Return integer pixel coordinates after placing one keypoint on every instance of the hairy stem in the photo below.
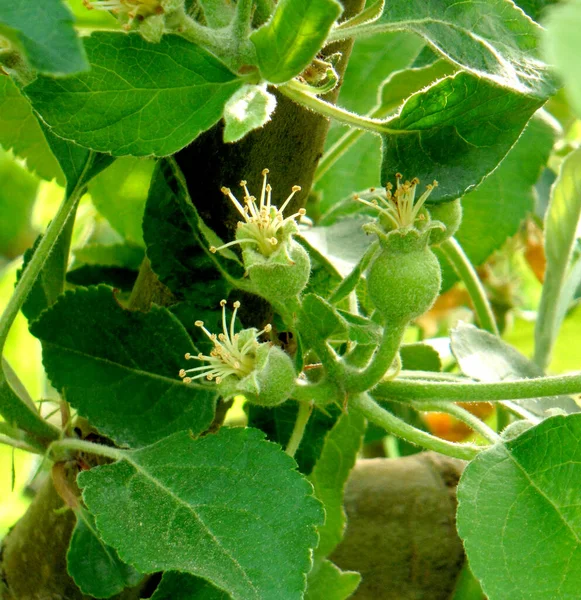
(16, 409)
(463, 267)
(364, 379)
(39, 257)
(407, 389)
(68, 445)
(10, 441)
(378, 415)
(305, 410)
(295, 92)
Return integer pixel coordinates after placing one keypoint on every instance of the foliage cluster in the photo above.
(308, 320)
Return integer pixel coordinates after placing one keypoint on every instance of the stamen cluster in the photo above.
(400, 207)
(264, 224)
(233, 353)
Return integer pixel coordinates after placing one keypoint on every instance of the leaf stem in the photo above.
(294, 91)
(463, 267)
(15, 409)
(364, 379)
(378, 415)
(407, 389)
(367, 29)
(463, 415)
(71, 444)
(241, 24)
(9, 441)
(40, 256)
(303, 415)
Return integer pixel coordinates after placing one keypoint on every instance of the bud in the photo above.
(450, 215)
(403, 280)
(152, 28)
(240, 364)
(276, 264)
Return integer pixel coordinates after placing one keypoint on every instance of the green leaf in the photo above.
(322, 318)
(419, 357)
(561, 45)
(45, 32)
(227, 507)
(119, 108)
(360, 329)
(249, 108)
(535, 8)
(278, 423)
(491, 39)
(48, 285)
(21, 133)
(330, 583)
(119, 368)
(293, 36)
(218, 13)
(467, 586)
(330, 474)
(76, 162)
(519, 503)
(456, 132)
(95, 567)
(177, 240)
(18, 190)
(485, 357)
(342, 244)
(115, 255)
(495, 210)
(182, 586)
(16, 407)
(117, 277)
(366, 16)
(563, 273)
(372, 61)
(119, 193)
(402, 84)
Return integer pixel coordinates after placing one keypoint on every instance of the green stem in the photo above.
(294, 316)
(68, 445)
(294, 91)
(14, 408)
(368, 29)
(378, 415)
(403, 389)
(305, 410)
(9, 441)
(24, 439)
(38, 259)
(17, 385)
(241, 24)
(463, 267)
(462, 415)
(364, 379)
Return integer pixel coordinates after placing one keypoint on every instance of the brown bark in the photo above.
(401, 532)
